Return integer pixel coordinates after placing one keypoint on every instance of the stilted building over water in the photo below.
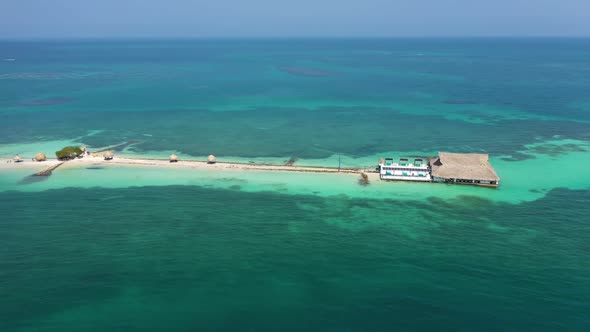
(459, 168)
(464, 168)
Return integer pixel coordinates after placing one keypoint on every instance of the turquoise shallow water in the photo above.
(124, 249)
(303, 98)
(186, 258)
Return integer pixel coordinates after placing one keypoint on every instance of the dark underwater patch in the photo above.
(518, 156)
(460, 102)
(305, 71)
(46, 102)
(555, 150)
(30, 179)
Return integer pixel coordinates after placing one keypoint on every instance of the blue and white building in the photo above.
(404, 170)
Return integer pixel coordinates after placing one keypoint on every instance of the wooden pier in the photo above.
(49, 170)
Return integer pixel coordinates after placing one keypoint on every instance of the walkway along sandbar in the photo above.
(45, 167)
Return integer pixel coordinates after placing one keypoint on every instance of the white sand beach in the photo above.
(89, 160)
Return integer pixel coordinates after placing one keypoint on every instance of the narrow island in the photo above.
(447, 168)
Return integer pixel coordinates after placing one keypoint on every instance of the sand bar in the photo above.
(88, 161)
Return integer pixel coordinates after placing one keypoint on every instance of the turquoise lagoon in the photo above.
(148, 248)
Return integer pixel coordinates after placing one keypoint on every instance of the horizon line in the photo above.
(253, 37)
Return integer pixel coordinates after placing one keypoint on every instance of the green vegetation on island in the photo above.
(69, 152)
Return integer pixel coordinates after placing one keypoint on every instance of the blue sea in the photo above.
(122, 248)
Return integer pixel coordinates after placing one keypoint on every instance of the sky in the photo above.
(293, 18)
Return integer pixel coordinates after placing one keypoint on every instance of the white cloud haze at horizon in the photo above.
(304, 18)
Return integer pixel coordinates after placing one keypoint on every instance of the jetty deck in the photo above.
(240, 166)
(48, 171)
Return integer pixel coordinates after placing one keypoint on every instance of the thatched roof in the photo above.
(364, 180)
(211, 159)
(109, 155)
(40, 157)
(173, 157)
(472, 166)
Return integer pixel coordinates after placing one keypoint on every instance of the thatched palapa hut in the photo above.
(17, 158)
(40, 157)
(464, 168)
(108, 155)
(364, 180)
(211, 159)
(173, 158)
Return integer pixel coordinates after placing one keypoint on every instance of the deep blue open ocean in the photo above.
(103, 249)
